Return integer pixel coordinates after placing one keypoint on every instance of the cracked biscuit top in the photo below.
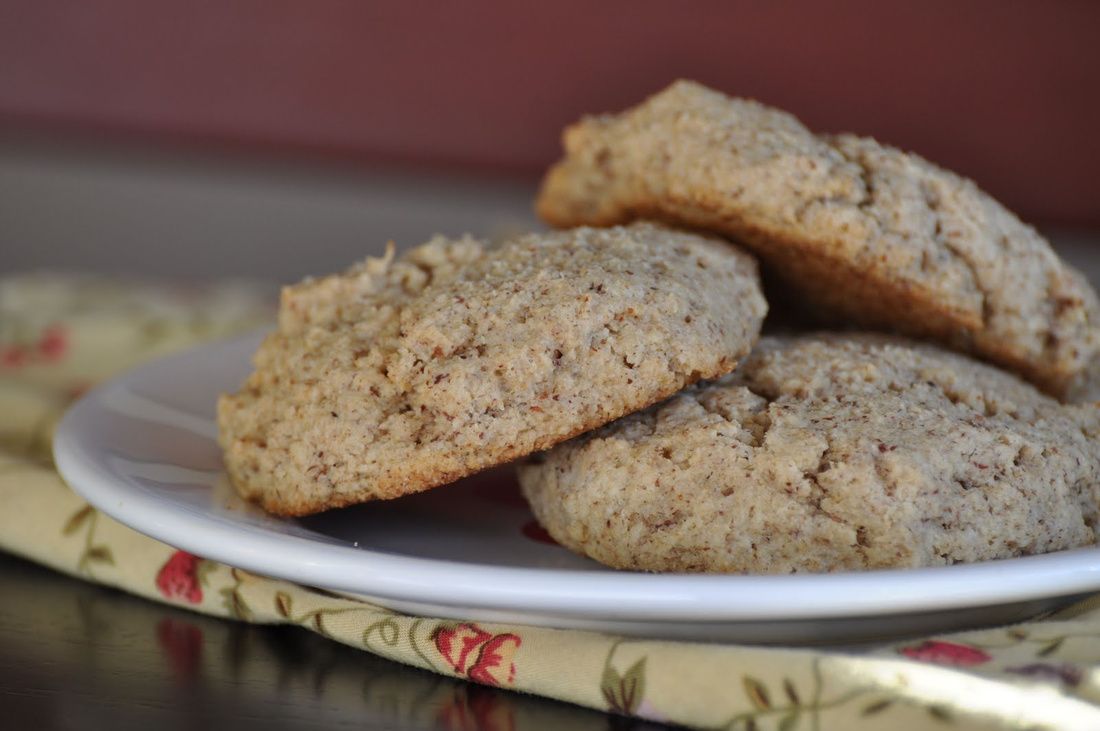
(858, 231)
(403, 374)
(824, 453)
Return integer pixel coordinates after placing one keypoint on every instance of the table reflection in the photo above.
(74, 655)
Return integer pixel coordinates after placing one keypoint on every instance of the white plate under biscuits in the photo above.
(142, 449)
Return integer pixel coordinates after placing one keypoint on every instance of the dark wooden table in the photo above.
(74, 655)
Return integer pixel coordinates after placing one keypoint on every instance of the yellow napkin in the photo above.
(60, 334)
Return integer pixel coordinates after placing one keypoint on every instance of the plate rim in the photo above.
(577, 593)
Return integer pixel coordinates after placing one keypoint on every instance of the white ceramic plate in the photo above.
(142, 449)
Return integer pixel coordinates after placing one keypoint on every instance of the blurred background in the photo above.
(273, 138)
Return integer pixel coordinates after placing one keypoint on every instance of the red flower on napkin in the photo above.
(946, 653)
(494, 664)
(178, 578)
(14, 356)
(477, 654)
(50, 347)
(53, 343)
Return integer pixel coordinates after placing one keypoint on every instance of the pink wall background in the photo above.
(1006, 92)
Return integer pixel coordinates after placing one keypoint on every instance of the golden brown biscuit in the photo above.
(822, 453)
(859, 231)
(403, 374)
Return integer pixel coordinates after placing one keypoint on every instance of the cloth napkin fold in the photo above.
(59, 334)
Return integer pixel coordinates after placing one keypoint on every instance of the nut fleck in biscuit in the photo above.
(828, 452)
(860, 231)
(403, 374)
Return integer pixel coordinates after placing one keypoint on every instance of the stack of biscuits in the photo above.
(945, 417)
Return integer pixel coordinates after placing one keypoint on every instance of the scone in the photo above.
(859, 231)
(403, 374)
(828, 452)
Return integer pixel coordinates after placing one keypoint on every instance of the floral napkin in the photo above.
(59, 334)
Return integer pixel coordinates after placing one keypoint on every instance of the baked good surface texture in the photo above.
(406, 373)
(861, 232)
(828, 452)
